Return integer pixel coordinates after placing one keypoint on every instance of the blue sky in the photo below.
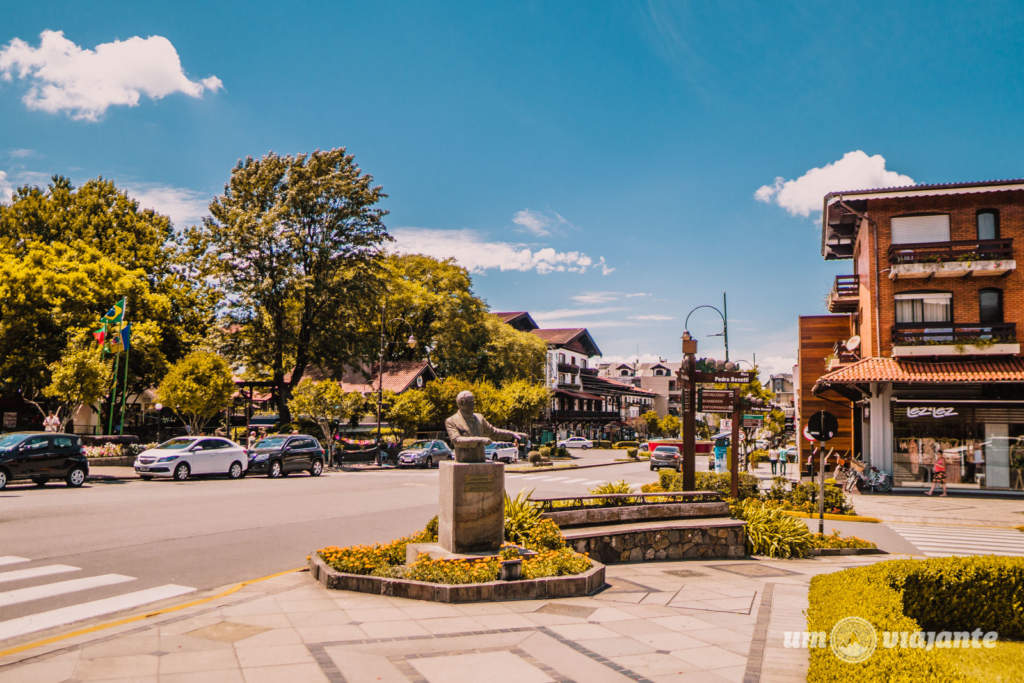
(609, 165)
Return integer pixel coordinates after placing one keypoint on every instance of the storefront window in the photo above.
(983, 446)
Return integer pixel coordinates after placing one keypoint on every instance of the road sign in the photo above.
(752, 420)
(822, 426)
(725, 425)
(725, 377)
(714, 400)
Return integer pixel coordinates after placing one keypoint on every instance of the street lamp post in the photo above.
(723, 313)
(411, 342)
(159, 420)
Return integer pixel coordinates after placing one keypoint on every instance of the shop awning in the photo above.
(577, 394)
(902, 371)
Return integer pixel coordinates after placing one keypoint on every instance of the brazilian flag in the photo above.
(115, 315)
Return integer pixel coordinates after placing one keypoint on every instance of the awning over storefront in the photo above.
(577, 394)
(925, 372)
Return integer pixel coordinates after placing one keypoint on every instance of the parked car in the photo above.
(502, 451)
(424, 454)
(576, 442)
(278, 455)
(667, 456)
(185, 456)
(42, 456)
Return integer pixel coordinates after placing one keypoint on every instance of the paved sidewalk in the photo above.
(680, 621)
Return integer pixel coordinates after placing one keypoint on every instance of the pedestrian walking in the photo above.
(938, 474)
(783, 456)
(773, 458)
(51, 423)
(251, 440)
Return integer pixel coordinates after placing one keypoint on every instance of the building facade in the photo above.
(922, 349)
(659, 377)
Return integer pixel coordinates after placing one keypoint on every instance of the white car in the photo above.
(502, 451)
(576, 442)
(184, 456)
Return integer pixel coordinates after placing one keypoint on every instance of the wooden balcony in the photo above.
(845, 294)
(567, 415)
(568, 367)
(963, 258)
(960, 339)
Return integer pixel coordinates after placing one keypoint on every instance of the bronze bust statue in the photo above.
(469, 431)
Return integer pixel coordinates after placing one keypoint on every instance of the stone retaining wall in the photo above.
(587, 583)
(636, 513)
(719, 540)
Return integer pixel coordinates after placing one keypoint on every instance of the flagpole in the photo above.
(113, 398)
(127, 350)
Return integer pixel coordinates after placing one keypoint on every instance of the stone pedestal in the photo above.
(472, 502)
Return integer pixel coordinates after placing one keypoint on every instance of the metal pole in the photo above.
(380, 383)
(734, 451)
(113, 397)
(127, 351)
(725, 325)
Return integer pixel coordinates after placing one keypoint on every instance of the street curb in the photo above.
(577, 467)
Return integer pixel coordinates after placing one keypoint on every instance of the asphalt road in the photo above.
(206, 533)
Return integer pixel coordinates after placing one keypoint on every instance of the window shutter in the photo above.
(914, 229)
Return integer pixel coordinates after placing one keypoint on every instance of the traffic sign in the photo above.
(822, 426)
(752, 420)
(714, 400)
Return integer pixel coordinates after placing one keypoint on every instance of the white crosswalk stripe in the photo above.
(945, 541)
(91, 605)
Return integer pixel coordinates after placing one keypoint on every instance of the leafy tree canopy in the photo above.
(197, 387)
(79, 377)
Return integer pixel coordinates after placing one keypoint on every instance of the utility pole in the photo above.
(734, 451)
(725, 325)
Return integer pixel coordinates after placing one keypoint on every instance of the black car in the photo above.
(42, 456)
(424, 454)
(279, 455)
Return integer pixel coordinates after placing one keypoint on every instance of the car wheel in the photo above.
(182, 472)
(145, 477)
(430, 463)
(3, 478)
(274, 469)
(76, 477)
(317, 469)
(40, 481)
(235, 471)
(652, 468)
(679, 468)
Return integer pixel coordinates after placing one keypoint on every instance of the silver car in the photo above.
(424, 454)
(667, 456)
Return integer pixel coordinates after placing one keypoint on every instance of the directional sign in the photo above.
(754, 421)
(725, 377)
(714, 400)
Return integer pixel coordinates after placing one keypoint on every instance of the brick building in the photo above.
(921, 356)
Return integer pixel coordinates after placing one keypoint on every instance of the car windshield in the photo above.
(492, 446)
(420, 445)
(8, 441)
(176, 444)
(666, 449)
(270, 442)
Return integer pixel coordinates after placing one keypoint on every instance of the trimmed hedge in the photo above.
(942, 594)
(670, 480)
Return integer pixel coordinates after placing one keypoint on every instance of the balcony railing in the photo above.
(558, 415)
(962, 250)
(568, 367)
(977, 334)
(845, 294)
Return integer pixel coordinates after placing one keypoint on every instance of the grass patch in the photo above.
(834, 518)
(1003, 663)
(531, 468)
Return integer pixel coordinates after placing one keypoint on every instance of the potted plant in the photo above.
(511, 563)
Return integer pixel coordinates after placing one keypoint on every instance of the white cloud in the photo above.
(534, 222)
(64, 77)
(6, 188)
(476, 254)
(652, 317)
(21, 153)
(605, 297)
(855, 171)
(183, 206)
(564, 313)
(635, 358)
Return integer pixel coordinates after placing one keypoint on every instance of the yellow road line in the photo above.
(139, 617)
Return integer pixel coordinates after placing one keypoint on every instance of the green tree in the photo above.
(525, 400)
(197, 388)
(669, 426)
(510, 354)
(80, 377)
(295, 242)
(409, 411)
(319, 402)
(66, 254)
(651, 422)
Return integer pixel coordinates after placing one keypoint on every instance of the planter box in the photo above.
(910, 350)
(636, 513)
(944, 269)
(648, 542)
(587, 583)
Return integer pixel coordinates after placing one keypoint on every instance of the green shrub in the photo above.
(834, 540)
(779, 491)
(560, 562)
(620, 486)
(804, 497)
(521, 515)
(602, 443)
(759, 455)
(772, 532)
(544, 535)
(625, 444)
(534, 457)
(545, 452)
(941, 594)
(452, 572)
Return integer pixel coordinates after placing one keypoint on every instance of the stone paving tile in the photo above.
(286, 673)
(568, 662)
(635, 627)
(454, 624)
(59, 668)
(709, 657)
(500, 621)
(176, 643)
(224, 676)
(276, 636)
(669, 640)
(377, 614)
(354, 665)
(279, 620)
(304, 605)
(617, 646)
(653, 664)
(273, 654)
(136, 644)
(624, 597)
(431, 610)
(329, 634)
(300, 619)
(128, 666)
(606, 614)
(581, 631)
(392, 629)
(189, 662)
(681, 622)
(266, 605)
(543, 619)
(494, 667)
(473, 609)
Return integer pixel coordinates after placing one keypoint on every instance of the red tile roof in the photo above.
(398, 377)
(877, 369)
(505, 316)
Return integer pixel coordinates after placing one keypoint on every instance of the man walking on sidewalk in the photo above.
(773, 458)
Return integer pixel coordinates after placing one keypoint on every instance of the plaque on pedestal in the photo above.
(472, 506)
